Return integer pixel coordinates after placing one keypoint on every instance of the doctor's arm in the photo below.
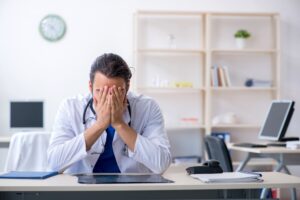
(102, 109)
(66, 147)
(152, 146)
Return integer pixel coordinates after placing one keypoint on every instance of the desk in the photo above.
(282, 155)
(66, 187)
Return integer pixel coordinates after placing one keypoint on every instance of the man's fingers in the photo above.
(111, 107)
(103, 96)
(122, 93)
(125, 103)
(117, 94)
(95, 101)
(108, 103)
(96, 97)
(115, 103)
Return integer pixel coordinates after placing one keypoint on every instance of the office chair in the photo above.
(217, 149)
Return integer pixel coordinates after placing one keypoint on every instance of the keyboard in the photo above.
(250, 145)
(277, 144)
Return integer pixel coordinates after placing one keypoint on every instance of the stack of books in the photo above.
(220, 76)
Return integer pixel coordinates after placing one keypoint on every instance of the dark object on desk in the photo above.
(287, 139)
(121, 178)
(208, 167)
(276, 144)
(250, 145)
(27, 175)
(217, 149)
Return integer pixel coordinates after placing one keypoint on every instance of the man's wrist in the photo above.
(118, 126)
(99, 126)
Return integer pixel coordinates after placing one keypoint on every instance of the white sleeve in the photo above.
(66, 147)
(152, 146)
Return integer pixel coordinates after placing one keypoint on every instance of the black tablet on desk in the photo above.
(121, 178)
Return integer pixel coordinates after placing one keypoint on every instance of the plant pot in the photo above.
(240, 43)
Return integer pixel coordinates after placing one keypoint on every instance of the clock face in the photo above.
(52, 27)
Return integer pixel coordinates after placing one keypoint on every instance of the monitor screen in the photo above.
(26, 114)
(277, 120)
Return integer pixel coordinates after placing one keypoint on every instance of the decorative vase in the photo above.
(240, 43)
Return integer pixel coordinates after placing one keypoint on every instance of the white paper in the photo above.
(228, 177)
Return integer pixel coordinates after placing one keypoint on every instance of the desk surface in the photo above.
(66, 182)
(270, 150)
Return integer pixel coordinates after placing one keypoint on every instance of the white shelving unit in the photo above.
(183, 46)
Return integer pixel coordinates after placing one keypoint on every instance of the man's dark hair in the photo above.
(112, 66)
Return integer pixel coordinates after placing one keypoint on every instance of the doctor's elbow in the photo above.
(53, 163)
(163, 163)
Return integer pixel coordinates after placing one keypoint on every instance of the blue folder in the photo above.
(27, 175)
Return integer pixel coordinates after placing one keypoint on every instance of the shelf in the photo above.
(257, 162)
(174, 127)
(171, 90)
(167, 13)
(236, 126)
(204, 40)
(245, 14)
(198, 51)
(171, 51)
(245, 89)
(243, 51)
(182, 13)
(199, 126)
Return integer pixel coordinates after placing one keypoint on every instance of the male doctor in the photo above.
(110, 130)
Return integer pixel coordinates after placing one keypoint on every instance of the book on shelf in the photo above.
(220, 76)
(214, 76)
(227, 77)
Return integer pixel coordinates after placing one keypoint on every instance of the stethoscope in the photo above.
(90, 105)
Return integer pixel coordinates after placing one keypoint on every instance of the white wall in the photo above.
(32, 68)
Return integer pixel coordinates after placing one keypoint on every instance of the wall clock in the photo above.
(52, 28)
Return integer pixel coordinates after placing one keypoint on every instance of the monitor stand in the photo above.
(287, 139)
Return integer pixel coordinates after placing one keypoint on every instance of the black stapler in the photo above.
(208, 167)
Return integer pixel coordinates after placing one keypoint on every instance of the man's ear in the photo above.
(91, 87)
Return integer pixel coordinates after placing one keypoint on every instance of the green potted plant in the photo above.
(240, 38)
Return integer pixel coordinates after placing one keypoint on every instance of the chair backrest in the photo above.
(28, 152)
(217, 149)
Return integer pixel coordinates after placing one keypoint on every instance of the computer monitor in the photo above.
(277, 120)
(26, 114)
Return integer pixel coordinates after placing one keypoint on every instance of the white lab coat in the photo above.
(67, 148)
(28, 152)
